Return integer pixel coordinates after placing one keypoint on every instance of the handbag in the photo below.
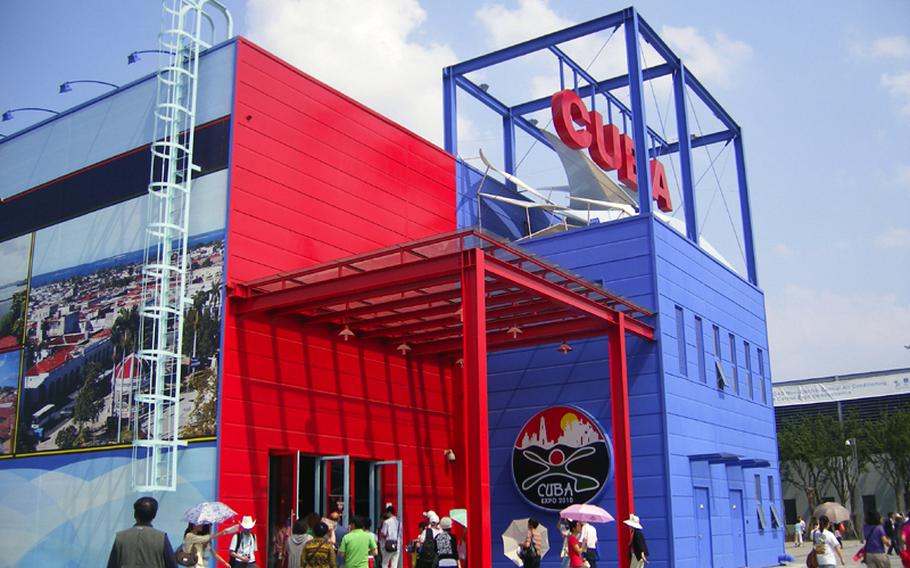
(812, 559)
(391, 544)
(185, 557)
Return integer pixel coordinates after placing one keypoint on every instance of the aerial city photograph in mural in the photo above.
(13, 284)
(81, 370)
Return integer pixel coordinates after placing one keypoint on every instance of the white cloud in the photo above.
(898, 84)
(531, 18)
(897, 47)
(713, 62)
(783, 250)
(815, 332)
(367, 50)
(898, 238)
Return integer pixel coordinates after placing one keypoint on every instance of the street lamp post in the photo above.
(851, 443)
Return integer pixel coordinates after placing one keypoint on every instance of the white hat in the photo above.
(247, 522)
(445, 523)
(432, 517)
(633, 522)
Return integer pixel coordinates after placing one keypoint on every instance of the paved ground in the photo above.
(850, 548)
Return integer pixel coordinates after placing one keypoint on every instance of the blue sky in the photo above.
(823, 97)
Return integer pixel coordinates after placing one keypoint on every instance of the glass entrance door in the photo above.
(386, 488)
(333, 485)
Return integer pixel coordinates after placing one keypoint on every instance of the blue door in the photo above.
(738, 528)
(703, 527)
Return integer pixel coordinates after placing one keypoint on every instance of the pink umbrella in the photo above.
(586, 513)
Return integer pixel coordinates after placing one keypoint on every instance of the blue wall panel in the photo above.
(704, 419)
(616, 254)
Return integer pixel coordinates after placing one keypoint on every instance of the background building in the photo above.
(865, 397)
(285, 413)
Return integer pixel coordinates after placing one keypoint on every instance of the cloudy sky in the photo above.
(822, 91)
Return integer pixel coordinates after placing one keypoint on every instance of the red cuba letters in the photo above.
(607, 147)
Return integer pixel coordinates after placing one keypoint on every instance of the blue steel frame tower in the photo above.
(704, 455)
(648, 143)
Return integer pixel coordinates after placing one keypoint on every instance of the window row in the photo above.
(724, 352)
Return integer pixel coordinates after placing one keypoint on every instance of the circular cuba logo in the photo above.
(561, 457)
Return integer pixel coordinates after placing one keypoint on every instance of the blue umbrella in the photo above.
(209, 512)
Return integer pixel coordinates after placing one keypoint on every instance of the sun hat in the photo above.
(445, 523)
(247, 522)
(432, 517)
(633, 522)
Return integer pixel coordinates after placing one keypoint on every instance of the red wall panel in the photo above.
(316, 176)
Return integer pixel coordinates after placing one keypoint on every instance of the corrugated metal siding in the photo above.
(316, 176)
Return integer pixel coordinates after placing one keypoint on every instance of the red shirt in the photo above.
(575, 558)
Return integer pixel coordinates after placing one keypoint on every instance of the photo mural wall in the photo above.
(69, 369)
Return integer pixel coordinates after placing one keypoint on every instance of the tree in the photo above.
(124, 330)
(90, 396)
(844, 465)
(12, 321)
(804, 445)
(66, 437)
(888, 439)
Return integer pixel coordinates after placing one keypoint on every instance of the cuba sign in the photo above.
(561, 457)
(607, 147)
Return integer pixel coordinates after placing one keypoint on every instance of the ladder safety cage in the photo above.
(156, 400)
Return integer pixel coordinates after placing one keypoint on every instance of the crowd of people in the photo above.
(882, 537)
(319, 542)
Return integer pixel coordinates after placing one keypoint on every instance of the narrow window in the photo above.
(681, 341)
(775, 515)
(718, 365)
(700, 347)
(733, 363)
(758, 504)
(748, 355)
(761, 376)
(758, 488)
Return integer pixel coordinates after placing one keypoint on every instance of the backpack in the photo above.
(427, 552)
(185, 557)
(820, 543)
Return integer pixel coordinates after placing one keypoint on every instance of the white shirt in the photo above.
(831, 543)
(246, 547)
(589, 536)
(391, 530)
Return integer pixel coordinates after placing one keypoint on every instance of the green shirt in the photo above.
(357, 546)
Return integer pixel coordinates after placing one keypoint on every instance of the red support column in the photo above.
(622, 446)
(475, 413)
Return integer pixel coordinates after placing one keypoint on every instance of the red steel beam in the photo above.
(476, 410)
(414, 330)
(576, 328)
(622, 442)
(375, 283)
(557, 293)
(361, 311)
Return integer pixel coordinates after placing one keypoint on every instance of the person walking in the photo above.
(296, 542)
(243, 546)
(358, 545)
(589, 542)
(447, 545)
(827, 549)
(889, 528)
(318, 552)
(876, 541)
(575, 548)
(197, 539)
(638, 548)
(799, 528)
(142, 544)
(532, 545)
(390, 538)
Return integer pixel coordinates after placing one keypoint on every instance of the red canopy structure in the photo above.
(461, 295)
